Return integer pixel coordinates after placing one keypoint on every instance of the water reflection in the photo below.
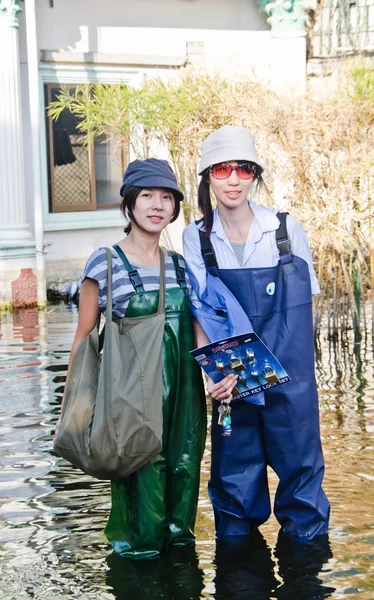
(299, 566)
(244, 569)
(248, 569)
(52, 516)
(175, 575)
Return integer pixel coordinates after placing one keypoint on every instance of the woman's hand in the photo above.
(221, 391)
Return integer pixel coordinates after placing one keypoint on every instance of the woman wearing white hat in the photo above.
(264, 260)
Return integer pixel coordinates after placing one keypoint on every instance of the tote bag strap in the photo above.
(161, 295)
(109, 301)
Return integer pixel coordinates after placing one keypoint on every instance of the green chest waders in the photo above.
(156, 506)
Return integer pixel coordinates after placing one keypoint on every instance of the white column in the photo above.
(288, 62)
(35, 100)
(14, 230)
(288, 19)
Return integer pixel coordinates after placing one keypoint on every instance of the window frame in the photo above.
(64, 74)
(93, 204)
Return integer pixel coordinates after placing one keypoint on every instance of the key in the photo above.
(226, 422)
(221, 413)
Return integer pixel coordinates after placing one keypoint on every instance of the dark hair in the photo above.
(205, 202)
(128, 202)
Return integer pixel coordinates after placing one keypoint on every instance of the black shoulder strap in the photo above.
(281, 236)
(179, 270)
(282, 240)
(207, 250)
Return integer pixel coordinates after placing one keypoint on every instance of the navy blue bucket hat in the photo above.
(150, 173)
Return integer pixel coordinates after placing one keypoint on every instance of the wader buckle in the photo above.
(135, 280)
(284, 246)
(209, 258)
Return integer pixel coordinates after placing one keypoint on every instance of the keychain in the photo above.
(224, 419)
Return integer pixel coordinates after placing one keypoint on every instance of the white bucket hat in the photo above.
(230, 142)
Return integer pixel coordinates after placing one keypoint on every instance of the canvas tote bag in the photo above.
(111, 421)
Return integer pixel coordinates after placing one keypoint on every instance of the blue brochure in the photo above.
(247, 356)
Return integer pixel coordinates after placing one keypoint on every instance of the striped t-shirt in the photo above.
(97, 269)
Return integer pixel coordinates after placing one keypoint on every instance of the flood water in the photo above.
(52, 516)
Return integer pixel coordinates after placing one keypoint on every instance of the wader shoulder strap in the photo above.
(133, 273)
(207, 252)
(179, 270)
(281, 235)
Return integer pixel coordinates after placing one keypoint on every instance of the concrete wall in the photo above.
(142, 26)
(85, 26)
(67, 251)
(63, 244)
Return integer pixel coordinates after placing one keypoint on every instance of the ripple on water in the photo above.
(52, 516)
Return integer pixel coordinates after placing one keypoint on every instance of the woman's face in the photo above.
(153, 209)
(232, 191)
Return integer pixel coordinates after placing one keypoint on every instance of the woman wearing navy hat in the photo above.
(264, 261)
(155, 506)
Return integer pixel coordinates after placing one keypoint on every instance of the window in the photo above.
(80, 177)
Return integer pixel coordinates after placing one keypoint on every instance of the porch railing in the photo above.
(343, 27)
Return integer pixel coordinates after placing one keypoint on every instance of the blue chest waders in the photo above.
(285, 432)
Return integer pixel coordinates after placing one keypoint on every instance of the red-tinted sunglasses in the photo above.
(244, 170)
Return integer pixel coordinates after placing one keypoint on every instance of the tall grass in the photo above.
(319, 157)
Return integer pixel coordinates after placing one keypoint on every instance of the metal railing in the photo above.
(343, 27)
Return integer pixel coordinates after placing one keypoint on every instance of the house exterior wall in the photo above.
(114, 41)
(84, 25)
(144, 28)
(127, 40)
